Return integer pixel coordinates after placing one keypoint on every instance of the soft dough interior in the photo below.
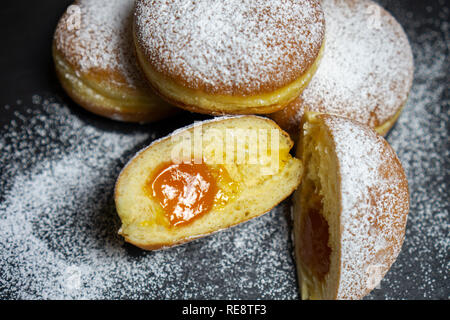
(251, 188)
(316, 214)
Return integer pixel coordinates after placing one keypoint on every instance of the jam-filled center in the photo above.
(315, 252)
(185, 191)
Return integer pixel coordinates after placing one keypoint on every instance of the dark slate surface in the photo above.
(58, 165)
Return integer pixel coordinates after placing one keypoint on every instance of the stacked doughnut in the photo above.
(334, 74)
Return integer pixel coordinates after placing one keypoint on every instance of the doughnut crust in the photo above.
(95, 62)
(366, 71)
(234, 56)
(355, 182)
(250, 188)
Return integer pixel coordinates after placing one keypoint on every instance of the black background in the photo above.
(26, 69)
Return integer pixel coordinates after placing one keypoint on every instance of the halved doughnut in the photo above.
(366, 71)
(350, 211)
(204, 178)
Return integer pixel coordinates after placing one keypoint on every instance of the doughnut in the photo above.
(351, 210)
(366, 71)
(95, 62)
(204, 178)
(229, 57)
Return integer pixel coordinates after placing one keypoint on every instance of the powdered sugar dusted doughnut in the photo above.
(210, 188)
(235, 56)
(366, 71)
(351, 210)
(95, 61)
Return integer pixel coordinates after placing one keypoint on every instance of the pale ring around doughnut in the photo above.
(230, 57)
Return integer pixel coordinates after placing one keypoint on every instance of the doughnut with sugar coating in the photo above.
(229, 57)
(366, 71)
(95, 61)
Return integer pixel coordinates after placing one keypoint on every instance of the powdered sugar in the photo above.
(231, 47)
(420, 139)
(96, 35)
(367, 66)
(374, 205)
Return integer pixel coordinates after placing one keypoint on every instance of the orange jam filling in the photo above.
(185, 191)
(314, 251)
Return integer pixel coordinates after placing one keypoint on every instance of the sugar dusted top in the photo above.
(233, 47)
(96, 36)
